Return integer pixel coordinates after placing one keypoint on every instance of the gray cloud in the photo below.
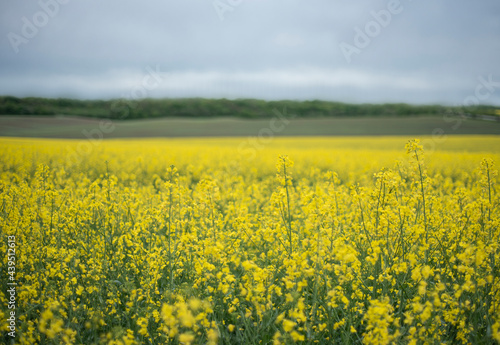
(428, 52)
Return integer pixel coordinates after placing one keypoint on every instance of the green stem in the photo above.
(288, 207)
(423, 205)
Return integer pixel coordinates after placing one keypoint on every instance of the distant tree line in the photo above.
(200, 107)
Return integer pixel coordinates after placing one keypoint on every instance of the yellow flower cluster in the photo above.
(185, 320)
(313, 240)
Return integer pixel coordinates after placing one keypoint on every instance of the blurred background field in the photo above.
(73, 127)
(71, 118)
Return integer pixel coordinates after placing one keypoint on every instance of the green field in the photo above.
(75, 127)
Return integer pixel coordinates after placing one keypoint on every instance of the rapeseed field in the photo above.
(287, 241)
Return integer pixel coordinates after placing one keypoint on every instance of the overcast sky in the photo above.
(423, 51)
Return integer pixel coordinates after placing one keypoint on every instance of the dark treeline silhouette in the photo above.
(205, 108)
